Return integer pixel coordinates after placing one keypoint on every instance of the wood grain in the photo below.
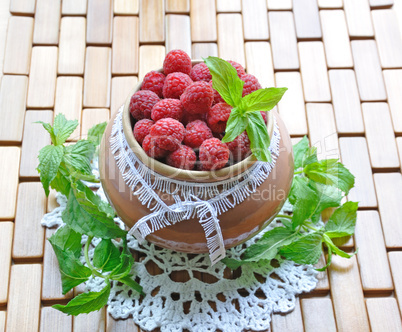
(255, 19)
(318, 315)
(358, 17)
(54, 320)
(121, 87)
(9, 179)
(74, 7)
(224, 6)
(399, 144)
(395, 261)
(178, 35)
(203, 21)
(6, 241)
(384, 314)
(393, 84)
(202, 50)
(307, 19)
(93, 322)
(152, 21)
(22, 7)
(151, 58)
(280, 4)
(3, 320)
(259, 62)
(177, 6)
(47, 21)
(124, 7)
(120, 325)
(99, 22)
(290, 322)
(91, 117)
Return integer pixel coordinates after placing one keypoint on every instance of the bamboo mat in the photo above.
(342, 63)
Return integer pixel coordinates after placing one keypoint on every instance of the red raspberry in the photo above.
(177, 61)
(153, 81)
(167, 108)
(239, 68)
(141, 129)
(168, 134)
(251, 84)
(141, 104)
(240, 147)
(187, 118)
(184, 157)
(218, 116)
(217, 96)
(175, 84)
(200, 72)
(197, 98)
(153, 150)
(196, 133)
(213, 154)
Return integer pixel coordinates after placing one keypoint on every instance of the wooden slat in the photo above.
(121, 87)
(322, 130)
(358, 17)
(4, 17)
(230, 38)
(255, 19)
(29, 233)
(69, 100)
(17, 56)
(47, 20)
(151, 58)
(336, 39)
(290, 322)
(6, 240)
(314, 72)
(97, 77)
(318, 315)
(123, 7)
(23, 307)
(22, 7)
(399, 144)
(368, 70)
(202, 50)
(350, 310)
(13, 94)
(355, 157)
(372, 256)
(389, 187)
(259, 62)
(93, 322)
(227, 6)
(74, 7)
(291, 107)
(384, 314)
(125, 45)
(35, 138)
(398, 12)
(51, 284)
(120, 325)
(178, 35)
(72, 46)
(380, 136)
(307, 19)
(346, 101)
(395, 261)
(152, 21)
(54, 320)
(279, 4)
(9, 179)
(330, 4)
(283, 40)
(91, 117)
(393, 84)
(177, 6)
(99, 22)
(2, 320)
(381, 3)
(322, 276)
(203, 20)
(42, 77)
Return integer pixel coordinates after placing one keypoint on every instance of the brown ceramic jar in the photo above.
(238, 224)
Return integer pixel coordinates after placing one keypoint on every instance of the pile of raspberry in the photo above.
(180, 119)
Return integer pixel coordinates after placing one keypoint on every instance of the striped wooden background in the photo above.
(342, 63)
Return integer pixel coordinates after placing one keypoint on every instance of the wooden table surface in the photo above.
(342, 63)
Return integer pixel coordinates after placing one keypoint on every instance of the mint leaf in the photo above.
(106, 256)
(343, 221)
(63, 128)
(50, 158)
(331, 172)
(78, 156)
(225, 80)
(329, 261)
(259, 139)
(262, 99)
(334, 248)
(235, 125)
(96, 132)
(49, 129)
(124, 268)
(129, 281)
(62, 182)
(303, 154)
(85, 302)
(67, 239)
(232, 263)
(329, 196)
(305, 250)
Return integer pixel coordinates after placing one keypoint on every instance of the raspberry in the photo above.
(153, 81)
(217, 96)
(213, 154)
(152, 149)
(200, 72)
(141, 129)
(184, 157)
(168, 134)
(240, 147)
(175, 84)
(196, 133)
(197, 98)
(239, 68)
(177, 61)
(141, 104)
(167, 108)
(251, 84)
(187, 118)
(218, 116)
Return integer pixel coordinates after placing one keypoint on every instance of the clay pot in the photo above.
(238, 224)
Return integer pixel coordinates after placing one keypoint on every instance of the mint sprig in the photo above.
(245, 114)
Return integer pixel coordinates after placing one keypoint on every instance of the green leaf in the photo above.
(329, 261)
(305, 250)
(329, 196)
(96, 132)
(67, 239)
(129, 281)
(63, 128)
(49, 129)
(331, 172)
(50, 158)
(225, 80)
(106, 256)
(124, 268)
(303, 154)
(235, 125)
(262, 99)
(258, 135)
(78, 156)
(343, 221)
(335, 249)
(62, 182)
(232, 263)
(85, 302)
